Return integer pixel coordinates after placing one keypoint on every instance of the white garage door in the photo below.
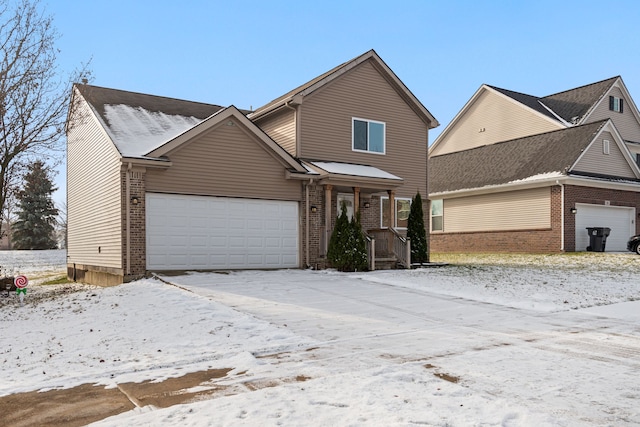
(619, 219)
(196, 232)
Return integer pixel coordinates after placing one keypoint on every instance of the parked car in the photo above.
(633, 244)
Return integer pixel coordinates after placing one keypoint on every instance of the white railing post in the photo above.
(408, 253)
(373, 255)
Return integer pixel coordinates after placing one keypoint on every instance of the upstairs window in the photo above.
(605, 146)
(615, 104)
(368, 136)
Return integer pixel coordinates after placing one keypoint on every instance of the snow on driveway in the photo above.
(508, 341)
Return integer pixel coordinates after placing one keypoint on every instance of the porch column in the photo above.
(327, 215)
(392, 208)
(356, 200)
(392, 218)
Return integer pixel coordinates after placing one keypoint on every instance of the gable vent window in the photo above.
(615, 104)
(368, 136)
(605, 146)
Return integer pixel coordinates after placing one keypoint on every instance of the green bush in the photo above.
(347, 247)
(417, 233)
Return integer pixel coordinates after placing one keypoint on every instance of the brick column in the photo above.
(134, 223)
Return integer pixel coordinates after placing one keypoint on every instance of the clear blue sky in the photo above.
(248, 53)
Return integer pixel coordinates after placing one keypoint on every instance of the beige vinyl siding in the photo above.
(594, 160)
(326, 126)
(492, 118)
(515, 210)
(281, 128)
(625, 122)
(93, 195)
(224, 161)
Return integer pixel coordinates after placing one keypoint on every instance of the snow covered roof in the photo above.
(353, 170)
(138, 123)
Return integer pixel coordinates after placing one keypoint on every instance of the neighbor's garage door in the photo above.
(197, 232)
(618, 219)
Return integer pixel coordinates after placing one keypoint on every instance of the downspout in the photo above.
(561, 215)
(128, 218)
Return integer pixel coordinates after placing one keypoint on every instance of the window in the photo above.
(638, 159)
(368, 136)
(437, 218)
(403, 208)
(605, 146)
(348, 201)
(615, 104)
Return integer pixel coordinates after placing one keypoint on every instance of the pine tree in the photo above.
(347, 247)
(416, 232)
(35, 226)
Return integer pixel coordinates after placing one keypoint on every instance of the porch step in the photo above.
(387, 263)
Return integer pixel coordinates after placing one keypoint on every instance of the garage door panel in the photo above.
(619, 219)
(186, 232)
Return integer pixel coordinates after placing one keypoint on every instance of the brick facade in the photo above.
(525, 241)
(136, 219)
(594, 196)
(540, 240)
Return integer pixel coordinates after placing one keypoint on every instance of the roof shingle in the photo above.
(510, 161)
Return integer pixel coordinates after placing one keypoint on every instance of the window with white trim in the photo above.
(403, 208)
(616, 104)
(437, 215)
(368, 136)
(606, 146)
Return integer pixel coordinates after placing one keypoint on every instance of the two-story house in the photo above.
(159, 184)
(518, 173)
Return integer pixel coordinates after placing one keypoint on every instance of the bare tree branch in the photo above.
(33, 96)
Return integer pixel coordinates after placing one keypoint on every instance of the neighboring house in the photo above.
(517, 173)
(159, 184)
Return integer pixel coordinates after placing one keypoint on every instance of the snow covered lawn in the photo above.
(488, 340)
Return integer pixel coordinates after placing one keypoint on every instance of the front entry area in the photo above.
(213, 233)
(618, 218)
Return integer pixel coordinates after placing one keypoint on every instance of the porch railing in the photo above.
(389, 243)
(371, 252)
(401, 248)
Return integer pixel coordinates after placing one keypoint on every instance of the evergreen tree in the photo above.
(35, 226)
(347, 247)
(416, 232)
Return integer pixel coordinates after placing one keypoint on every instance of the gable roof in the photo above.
(138, 123)
(230, 114)
(573, 105)
(546, 154)
(296, 95)
(530, 101)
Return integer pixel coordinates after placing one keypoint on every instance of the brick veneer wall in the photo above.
(546, 240)
(137, 222)
(594, 196)
(316, 223)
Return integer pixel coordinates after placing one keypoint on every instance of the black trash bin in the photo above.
(598, 238)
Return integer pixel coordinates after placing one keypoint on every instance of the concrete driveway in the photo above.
(573, 364)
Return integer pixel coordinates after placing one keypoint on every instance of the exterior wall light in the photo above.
(314, 209)
(367, 205)
(574, 210)
(135, 200)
